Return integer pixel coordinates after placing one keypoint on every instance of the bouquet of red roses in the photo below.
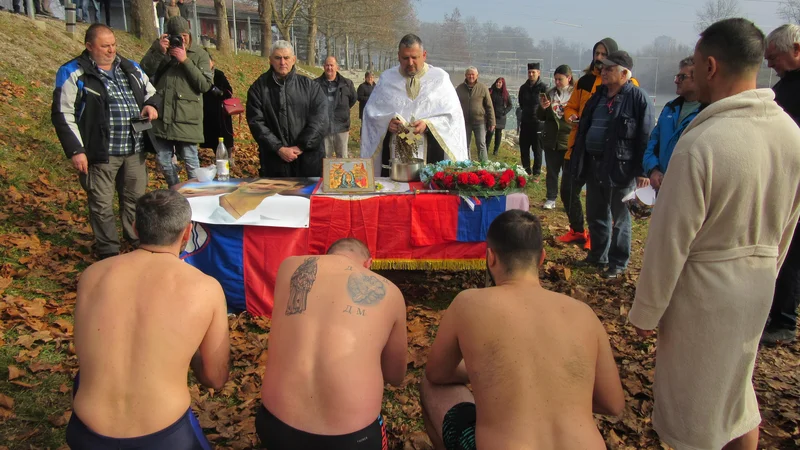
(480, 179)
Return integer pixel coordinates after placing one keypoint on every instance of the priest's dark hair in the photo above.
(409, 41)
(161, 217)
(736, 43)
(515, 236)
(349, 245)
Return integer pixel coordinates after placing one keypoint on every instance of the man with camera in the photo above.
(181, 74)
(99, 102)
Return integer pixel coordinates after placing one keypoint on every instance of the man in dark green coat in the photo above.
(181, 75)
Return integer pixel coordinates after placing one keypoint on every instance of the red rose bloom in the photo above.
(463, 178)
(521, 181)
(448, 181)
(488, 180)
(473, 178)
(508, 173)
(503, 184)
(438, 176)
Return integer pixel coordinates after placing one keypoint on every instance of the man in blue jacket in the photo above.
(98, 97)
(674, 118)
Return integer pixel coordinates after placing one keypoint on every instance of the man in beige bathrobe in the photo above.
(723, 221)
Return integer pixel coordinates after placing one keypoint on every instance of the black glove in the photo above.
(217, 91)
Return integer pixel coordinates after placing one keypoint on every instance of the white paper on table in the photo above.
(275, 211)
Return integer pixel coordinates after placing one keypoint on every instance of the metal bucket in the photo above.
(405, 171)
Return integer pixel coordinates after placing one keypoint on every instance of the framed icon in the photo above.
(347, 176)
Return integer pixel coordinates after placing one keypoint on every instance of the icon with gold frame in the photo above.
(347, 176)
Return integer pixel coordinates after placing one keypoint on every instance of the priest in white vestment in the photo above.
(418, 97)
(721, 226)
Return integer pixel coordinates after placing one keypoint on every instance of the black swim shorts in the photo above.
(185, 434)
(458, 427)
(276, 435)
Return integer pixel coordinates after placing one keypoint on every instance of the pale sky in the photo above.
(632, 23)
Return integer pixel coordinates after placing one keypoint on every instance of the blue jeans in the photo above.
(164, 151)
(609, 223)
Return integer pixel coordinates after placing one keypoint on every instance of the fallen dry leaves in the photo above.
(50, 242)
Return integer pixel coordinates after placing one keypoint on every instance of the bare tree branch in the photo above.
(714, 11)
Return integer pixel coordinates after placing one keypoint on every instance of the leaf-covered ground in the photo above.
(45, 243)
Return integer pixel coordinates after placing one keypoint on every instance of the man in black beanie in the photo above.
(529, 124)
(181, 73)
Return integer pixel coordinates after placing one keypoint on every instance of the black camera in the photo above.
(175, 41)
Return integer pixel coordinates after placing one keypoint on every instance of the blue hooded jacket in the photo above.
(665, 136)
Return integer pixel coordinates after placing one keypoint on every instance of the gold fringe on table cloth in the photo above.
(429, 264)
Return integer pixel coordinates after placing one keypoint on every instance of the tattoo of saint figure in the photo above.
(300, 285)
(365, 289)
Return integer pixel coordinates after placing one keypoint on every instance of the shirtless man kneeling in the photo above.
(539, 362)
(141, 320)
(338, 335)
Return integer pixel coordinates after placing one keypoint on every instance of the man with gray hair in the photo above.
(414, 108)
(674, 118)
(288, 117)
(612, 136)
(476, 102)
(783, 55)
(131, 390)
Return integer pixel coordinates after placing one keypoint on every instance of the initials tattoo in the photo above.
(359, 312)
(300, 285)
(365, 289)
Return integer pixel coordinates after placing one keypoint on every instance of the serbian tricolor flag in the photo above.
(245, 260)
(411, 231)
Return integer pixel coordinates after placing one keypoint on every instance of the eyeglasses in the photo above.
(680, 77)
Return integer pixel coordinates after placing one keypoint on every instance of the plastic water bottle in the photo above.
(223, 164)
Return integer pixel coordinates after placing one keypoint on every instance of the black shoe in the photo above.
(587, 262)
(777, 336)
(613, 272)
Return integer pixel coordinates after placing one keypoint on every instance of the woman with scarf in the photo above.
(555, 135)
(502, 106)
(217, 124)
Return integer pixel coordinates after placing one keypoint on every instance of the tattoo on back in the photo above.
(365, 289)
(300, 285)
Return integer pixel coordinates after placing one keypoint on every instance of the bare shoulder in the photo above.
(366, 287)
(577, 310)
(200, 284)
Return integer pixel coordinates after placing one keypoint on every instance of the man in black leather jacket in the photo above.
(288, 117)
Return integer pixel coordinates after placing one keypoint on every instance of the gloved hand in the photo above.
(217, 91)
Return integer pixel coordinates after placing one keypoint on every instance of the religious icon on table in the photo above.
(347, 176)
(248, 196)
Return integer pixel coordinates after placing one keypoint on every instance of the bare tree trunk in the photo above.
(223, 34)
(265, 14)
(312, 32)
(369, 55)
(143, 20)
(328, 40)
(346, 51)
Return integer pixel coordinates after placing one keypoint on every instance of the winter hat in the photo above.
(178, 25)
(610, 45)
(620, 58)
(534, 66)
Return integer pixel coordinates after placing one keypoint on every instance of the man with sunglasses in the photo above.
(609, 148)
(674, 118)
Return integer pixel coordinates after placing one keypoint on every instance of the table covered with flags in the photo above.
(244, 229)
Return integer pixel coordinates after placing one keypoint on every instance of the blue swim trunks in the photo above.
(185, 434)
